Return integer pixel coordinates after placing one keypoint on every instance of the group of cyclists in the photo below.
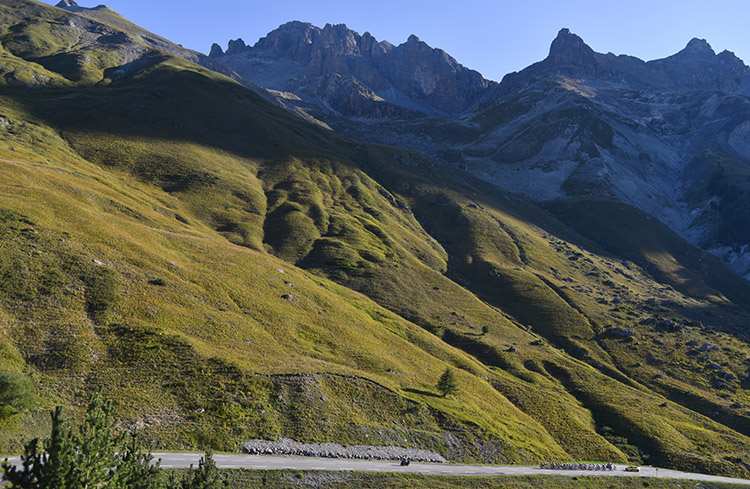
(575, 466)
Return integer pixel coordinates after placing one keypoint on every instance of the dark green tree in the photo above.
(206, 476)
(95, 457)
(136, 469)
(447, 383)
(98, 457)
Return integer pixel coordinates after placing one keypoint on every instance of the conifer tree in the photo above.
(95, 457)
(447, 383)
(206, 476)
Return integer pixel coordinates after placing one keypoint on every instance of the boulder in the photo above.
(620, 333)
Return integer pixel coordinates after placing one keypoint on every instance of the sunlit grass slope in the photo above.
(231, 272)
(102, 284)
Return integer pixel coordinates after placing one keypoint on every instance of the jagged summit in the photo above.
(69, 5)
(215, 51)
(569, 49)
(355, 74)
(698, 46)
(72, 6)
(236, 46)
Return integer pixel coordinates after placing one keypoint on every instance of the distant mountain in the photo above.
(668, 136)
(336, 69)
(695, 68)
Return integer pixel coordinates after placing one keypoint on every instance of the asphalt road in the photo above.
(263, 462)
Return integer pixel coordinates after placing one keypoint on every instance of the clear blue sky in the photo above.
(493, 37)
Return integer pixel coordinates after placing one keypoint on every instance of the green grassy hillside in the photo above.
(228, 272)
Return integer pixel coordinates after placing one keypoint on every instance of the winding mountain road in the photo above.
(267, 462)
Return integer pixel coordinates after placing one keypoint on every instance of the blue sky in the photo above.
(492, 37)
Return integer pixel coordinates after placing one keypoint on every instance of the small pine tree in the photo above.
(206, 476)
(485, 329)
(96, 457)
(136, 470)
(447, 383)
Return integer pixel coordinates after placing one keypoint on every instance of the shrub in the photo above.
(101, 290)
(207, 476)
(16, 393)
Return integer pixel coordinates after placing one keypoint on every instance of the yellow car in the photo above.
(632, 468)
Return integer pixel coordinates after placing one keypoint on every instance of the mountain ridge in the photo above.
(570, 55)
(319, 53)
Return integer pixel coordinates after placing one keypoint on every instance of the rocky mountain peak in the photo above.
(728, 58)
(215, 51)
(568, 49)
(72, 6)
(698, 67)
(351, 71)
(236, 46)
(698, 46)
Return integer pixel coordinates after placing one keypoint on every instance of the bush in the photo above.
(16, 394)
(101, 290)
(95, 456)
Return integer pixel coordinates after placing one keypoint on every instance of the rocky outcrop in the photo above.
(569, 50)
(69, 5)
(356, 75)
(215, 51)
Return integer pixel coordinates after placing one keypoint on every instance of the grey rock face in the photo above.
(356, 75)
(659, 135)
(569, 50)
(216, 51)
(70, 6)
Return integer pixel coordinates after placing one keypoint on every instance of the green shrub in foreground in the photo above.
(96, 456)
(16, 393)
